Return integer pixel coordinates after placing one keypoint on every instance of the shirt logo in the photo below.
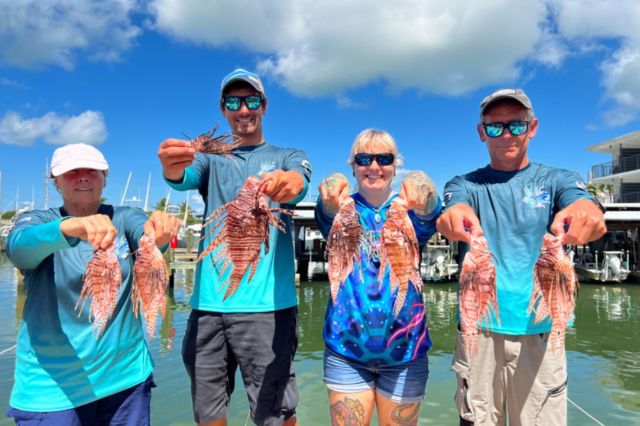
(121, 247)
(267, 167)
(306, 165)
(447, 197)
(536, 198)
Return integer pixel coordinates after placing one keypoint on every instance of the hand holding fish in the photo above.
(585, 220)
(161, 226)
(333, 190)
(419, 192)
(459, 223)
(282, 186)
(97, 229)
(175, 155)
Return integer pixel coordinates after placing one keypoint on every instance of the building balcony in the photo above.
(622, 165)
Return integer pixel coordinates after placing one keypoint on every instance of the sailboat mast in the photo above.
(46, 184)
(126, 187)
(146, 197)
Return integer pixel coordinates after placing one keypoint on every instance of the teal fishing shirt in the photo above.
(515, 210)
(218, 178)
(59, 362)
(361, 324)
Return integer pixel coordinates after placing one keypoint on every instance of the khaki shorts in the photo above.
(518, 375)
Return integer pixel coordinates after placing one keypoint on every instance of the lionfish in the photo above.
(477, 291)
(151, 278)
(555, 288)
(243, 226)
(209, 144)
(343, 244)
(399, 249)
(101, 282)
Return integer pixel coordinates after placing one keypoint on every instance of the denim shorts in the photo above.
(130, 407)
(401, 383)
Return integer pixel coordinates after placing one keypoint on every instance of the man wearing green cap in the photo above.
(256, 327)
(515, 372)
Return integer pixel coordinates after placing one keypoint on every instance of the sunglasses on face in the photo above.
(234, 103)
(495, 130)
(364, 159)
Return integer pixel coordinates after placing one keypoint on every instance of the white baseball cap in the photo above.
(77, 156)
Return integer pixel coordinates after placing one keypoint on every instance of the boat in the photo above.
(609, 266)
(438, 263)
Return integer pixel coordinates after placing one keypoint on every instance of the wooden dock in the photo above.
(180, 259)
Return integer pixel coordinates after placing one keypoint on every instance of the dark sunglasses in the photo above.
(234, 103)
(364, 159)
(495, 130)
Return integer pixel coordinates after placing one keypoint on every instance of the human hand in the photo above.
(459, 223)
(419, 192)
(162, 227)
(175, 155)
(96, 229)
(585, 220)
(333, 190)
(282, 186)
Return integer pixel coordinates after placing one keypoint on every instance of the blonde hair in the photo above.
(367, 138)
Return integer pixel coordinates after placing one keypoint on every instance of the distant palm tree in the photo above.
(161, 205)
(190, 219)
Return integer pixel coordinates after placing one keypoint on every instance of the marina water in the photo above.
(603, 351)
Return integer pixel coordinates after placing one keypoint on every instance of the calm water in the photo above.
(603, 355)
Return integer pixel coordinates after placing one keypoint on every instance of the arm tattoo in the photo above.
(405, 414)
(348, 412)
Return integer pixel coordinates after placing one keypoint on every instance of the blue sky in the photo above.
(124, 75)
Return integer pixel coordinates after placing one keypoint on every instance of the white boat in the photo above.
(606, 266)
(438, 263)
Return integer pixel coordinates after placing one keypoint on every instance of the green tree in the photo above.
(8, 214)
(190, 219)
(161, 205)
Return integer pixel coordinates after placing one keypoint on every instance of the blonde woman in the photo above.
(374, 359)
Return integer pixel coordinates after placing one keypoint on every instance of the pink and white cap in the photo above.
(77, 156)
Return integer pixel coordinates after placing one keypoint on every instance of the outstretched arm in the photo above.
(459, 223)
(283, 186)
(162, 227)
(333, 189)
(585, 220)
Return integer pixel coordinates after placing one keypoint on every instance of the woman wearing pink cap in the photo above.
(64, 375)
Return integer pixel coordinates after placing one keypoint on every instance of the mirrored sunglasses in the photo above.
(495, 130)
(365, 159)
(234, 103)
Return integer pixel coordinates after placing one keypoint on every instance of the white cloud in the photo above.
(319, 48)
(450, 47)
(586, 23)
(34, 33)
(88, 127)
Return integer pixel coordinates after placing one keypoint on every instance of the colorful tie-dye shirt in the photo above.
(361, 324)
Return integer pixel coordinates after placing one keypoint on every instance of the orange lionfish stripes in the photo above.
(399, 249)
(101, 282)
(477, 291)
(554, 289)
(209, 144)
(343, 245)
(151, 278)
(243, 226)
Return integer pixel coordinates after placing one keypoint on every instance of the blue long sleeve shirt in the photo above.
(59, 362)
